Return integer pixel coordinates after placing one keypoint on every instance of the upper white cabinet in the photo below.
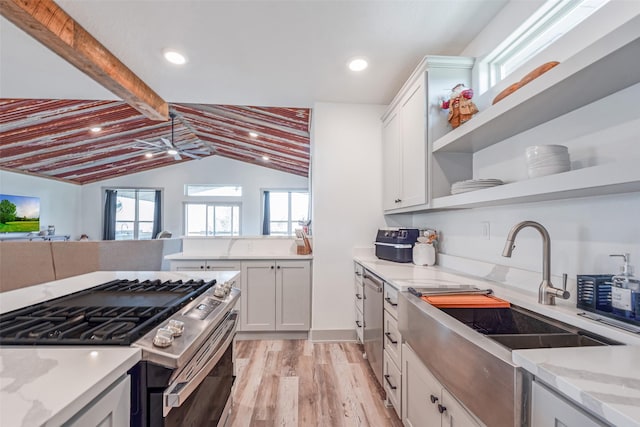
(414, 117)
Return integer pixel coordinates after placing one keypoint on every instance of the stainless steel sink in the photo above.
(517, 328)
(469, 352)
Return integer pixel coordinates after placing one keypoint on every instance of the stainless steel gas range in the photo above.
(184, 328)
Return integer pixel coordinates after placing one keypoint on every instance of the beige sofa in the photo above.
(29, 263)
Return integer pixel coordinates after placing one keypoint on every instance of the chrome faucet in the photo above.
(546, 293)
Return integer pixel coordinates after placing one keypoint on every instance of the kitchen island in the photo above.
(52, 385)
(605, 381)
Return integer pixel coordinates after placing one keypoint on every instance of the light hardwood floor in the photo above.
(300, 383)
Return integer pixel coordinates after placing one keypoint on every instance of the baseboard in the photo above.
(272, 335)
(319, 335)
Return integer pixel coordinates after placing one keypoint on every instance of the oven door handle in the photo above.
(179, 391)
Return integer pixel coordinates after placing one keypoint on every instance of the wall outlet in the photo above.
(486, 230)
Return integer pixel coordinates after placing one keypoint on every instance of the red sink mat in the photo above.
(466, 301)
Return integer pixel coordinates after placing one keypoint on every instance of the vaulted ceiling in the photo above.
(53, 138)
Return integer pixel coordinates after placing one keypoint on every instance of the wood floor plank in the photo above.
(299, 383)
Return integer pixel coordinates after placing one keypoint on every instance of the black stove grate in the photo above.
(114, 313)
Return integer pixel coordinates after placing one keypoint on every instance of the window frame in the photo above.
(212, 204)
(525, 38)
(136, 222)
(290, 225)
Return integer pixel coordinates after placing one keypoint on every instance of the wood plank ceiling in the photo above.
(53, 138)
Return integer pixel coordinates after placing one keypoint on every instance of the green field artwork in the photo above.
(19, 214)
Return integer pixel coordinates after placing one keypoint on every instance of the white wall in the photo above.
(209, 170)
(59, 201)
(347, 205)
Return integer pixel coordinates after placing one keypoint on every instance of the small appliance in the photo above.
(396, 244)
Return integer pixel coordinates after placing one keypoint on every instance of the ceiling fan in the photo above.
(164, 146)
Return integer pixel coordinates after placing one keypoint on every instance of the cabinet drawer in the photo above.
(359, 325)
(392, 338)
(391, 300)
(359, 296)
(392, 379)
(358, 272)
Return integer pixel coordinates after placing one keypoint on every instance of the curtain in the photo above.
(266, 220)
(109, 226)
(157, 215)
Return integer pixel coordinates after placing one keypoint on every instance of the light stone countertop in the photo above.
(606, 380)
(47, 385)
(181, 256)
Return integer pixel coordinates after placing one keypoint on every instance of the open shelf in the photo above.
(607, 66)
(613, 178)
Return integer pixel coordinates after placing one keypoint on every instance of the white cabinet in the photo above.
(392, 343)
(425, 402)
(205, 265)
(112, 408)
(550, 409)
(358, 293)
(276, 295)
(403, 141)
(407, 128)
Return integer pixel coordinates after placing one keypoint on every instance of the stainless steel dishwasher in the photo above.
(373, 309)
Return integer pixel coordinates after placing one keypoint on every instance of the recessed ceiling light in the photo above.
(358, 64)
(172, 152)
(253, 134)
(95, 129)
(265, 158)
(148, 155)
(174, 57)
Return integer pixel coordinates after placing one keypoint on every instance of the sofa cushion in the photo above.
(74, 258)
(24, 264)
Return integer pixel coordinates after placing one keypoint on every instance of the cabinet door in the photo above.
(110, 410)
(420, 392)
(218, 265)
(454, 414)
(189, 265)
(258, 303)
(293, 295)
(413, 116)
(550, 409)
(391, 164)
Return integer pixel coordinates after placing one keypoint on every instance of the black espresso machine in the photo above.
(396, 245)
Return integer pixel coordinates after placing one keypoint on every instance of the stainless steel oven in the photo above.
(373, 322)
(199, 394)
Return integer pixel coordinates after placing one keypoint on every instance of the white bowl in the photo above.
(538, 164)
(547, 170)
(546, 149)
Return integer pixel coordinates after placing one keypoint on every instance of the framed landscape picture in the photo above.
(19, 214)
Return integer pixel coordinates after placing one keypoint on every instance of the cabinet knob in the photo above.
(271, 267)
(433, 399)
(278, 267)
(208, 267)
(202, 267)
(441, 408)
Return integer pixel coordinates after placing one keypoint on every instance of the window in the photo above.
(283, 210)
(549, 23)
(213, 190)
(132, 214)
(212, 219)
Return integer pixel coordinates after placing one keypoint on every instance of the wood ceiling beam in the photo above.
(45, 21)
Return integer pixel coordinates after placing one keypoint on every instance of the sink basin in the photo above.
(517, 328)
(512, 320)
(521, 342)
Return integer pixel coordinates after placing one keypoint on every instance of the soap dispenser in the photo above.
(625, 292)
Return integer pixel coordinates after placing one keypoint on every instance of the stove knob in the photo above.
(176, 327)
(219, 291)
(163, 338)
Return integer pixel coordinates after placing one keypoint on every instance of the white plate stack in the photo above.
(474, 184)
(547, 159)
